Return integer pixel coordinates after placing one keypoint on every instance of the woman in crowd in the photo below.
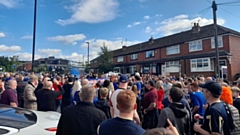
(160, 93)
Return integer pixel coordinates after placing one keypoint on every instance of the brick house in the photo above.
(190, 52)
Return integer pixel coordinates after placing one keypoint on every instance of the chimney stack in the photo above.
(195, 28)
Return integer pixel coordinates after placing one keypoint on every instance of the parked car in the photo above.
(19, 121)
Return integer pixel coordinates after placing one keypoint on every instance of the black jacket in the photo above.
(104, 105)
(46, 98)
(178, 115)
(80, 119)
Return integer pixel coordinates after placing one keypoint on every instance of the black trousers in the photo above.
(150, 120)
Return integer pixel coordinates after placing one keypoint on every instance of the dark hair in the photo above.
(158, 131)
(226, 81)
(151, 83)
(137, 77)
(106, 83)
(176, 94)
(178, 85)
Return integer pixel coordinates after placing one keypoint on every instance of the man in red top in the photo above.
(149, 104)
(58, 100)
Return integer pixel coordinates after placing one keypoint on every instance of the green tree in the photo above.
(105, 59)
(9, 64)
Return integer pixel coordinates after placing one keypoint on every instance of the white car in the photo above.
(19, 121)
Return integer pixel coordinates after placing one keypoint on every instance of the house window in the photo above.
(195, 46)
(132, 69)
(149, 54)
(220, 42)
(120, 59)
(134, 56)
(173, 50)
(172, 66)
(201, 64)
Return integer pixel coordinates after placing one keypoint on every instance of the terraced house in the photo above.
(190, 52)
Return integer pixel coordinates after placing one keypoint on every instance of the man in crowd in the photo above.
(46, 97)
(236, 96)
(20, 90)
(30, 99)
(123, 124)
(66, 100)
(167, 86)
(58, 100)
(9, 96)
(216, 120)
(198, 100)
(149, 104)
(83, 118)
(176, 113)
(123, 83)
(103, 104)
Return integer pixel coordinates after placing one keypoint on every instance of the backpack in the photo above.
(233, 118)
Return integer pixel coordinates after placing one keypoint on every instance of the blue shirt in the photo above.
(199, 100)
(119, 126)
(216, 120)
(139, 87)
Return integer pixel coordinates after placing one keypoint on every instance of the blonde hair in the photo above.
(159, 85)
(76, 86)
(104, 92)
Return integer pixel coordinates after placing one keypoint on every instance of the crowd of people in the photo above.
(129, 105)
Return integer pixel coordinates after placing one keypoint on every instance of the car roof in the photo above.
(16, 117)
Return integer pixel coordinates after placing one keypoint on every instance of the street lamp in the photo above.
(34, 33)
(88, 51)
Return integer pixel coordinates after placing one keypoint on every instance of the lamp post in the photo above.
(34, 33)
(88, 52)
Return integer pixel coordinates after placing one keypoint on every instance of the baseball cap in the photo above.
(123, 79)
(212, 86)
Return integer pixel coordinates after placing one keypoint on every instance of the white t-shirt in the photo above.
(113, 102)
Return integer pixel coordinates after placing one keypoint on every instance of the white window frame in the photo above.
(220, 42)
(197, 65)
(173, 50)
(120, 59)
(150, 51)
(195, 46)
(134, 56)
(172, 66)
(132, 69)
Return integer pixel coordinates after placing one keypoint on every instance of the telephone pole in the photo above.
(34, 32)
(217, 70)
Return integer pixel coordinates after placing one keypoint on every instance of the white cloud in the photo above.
(26, 56)
(73, 57)
(182, 23)
(14, 48)
(2, 34)
(68, 39)
(95, 45)
(148, 29)
(91, 11)
(49, 52)
(27, 37)
(134, 24)
(9, 3)
(146, 17)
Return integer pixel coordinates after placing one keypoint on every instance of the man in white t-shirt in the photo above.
(123, 83)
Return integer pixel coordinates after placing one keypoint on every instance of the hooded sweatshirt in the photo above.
(178, 115)
(103, 105)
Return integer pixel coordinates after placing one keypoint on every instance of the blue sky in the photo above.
(64, 26)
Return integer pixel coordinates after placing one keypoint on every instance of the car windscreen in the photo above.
(16, 117)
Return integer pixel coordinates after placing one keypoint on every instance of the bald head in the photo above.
(84, 82)
(209, 79)
(48, 85)
(12, 84)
